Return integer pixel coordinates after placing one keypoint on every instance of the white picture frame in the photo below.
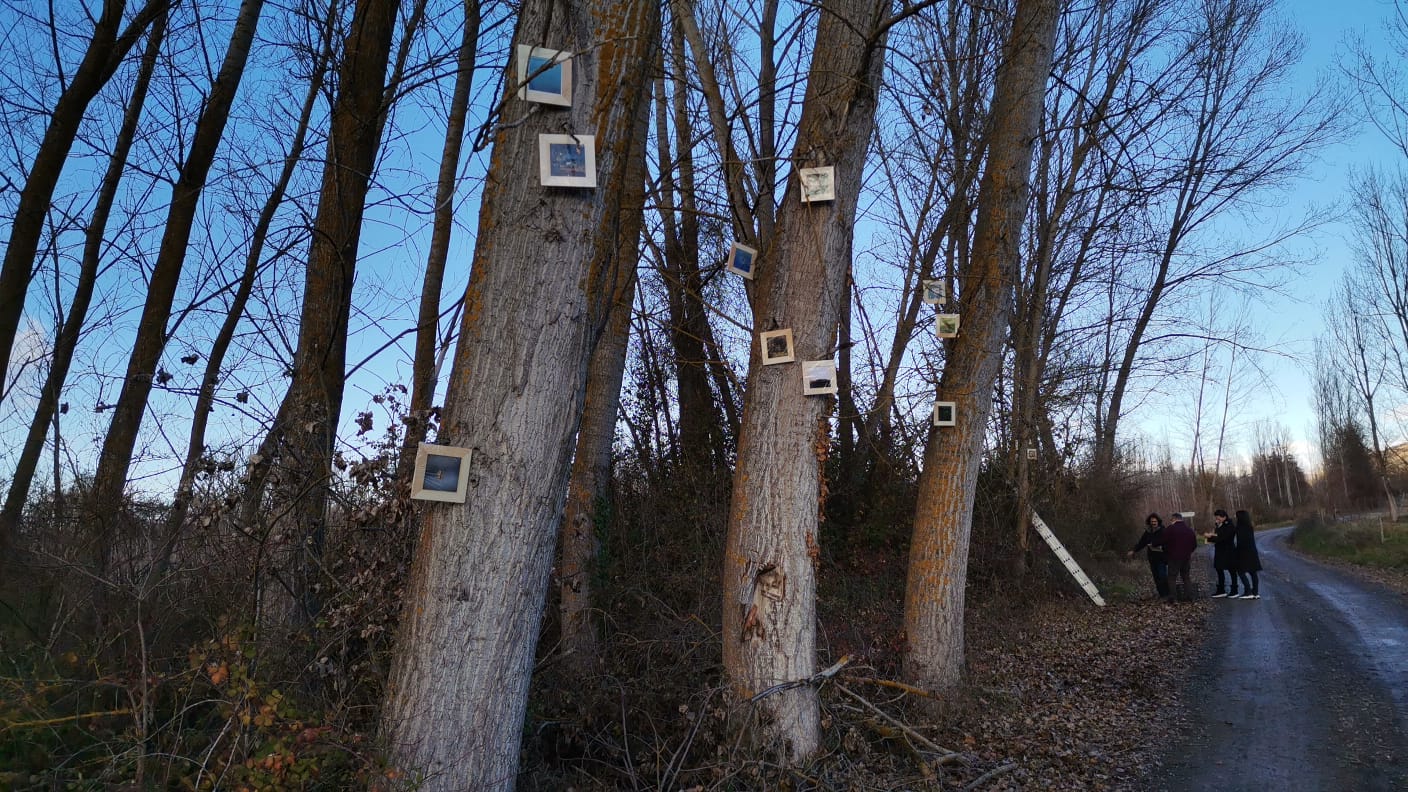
(742, 260)
(945, 413)
(818, 377)
(776, 346)
(544, 75)
(946, 325)
(441, 473)
(1031, 454)
(818, 184)
(567, 160)
(934, 291)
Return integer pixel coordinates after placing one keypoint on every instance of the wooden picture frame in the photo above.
(776, 346)
(818, 377)
(544, 76)
(741, 260)
(945, 413)
(818, 184)
(441, 473)
(567, 160)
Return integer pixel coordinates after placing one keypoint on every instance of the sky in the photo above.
(1290, 322)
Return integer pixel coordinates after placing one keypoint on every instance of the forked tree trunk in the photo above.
(147, 348)
(540, 290)
(938, 563)
(769, 611)
(105, 52)
(45, 412)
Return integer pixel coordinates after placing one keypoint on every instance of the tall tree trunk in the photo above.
(540, 290)
(142, 364)
(423, 366)
(45, 412)
(105, 52)
(301, 442)
(769, 576)
(215, 359)
(938, 564)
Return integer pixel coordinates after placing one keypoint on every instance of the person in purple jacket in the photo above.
(1179, 544)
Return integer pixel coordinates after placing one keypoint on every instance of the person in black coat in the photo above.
(1223, 539)
(1248, 562)
(1153, 539)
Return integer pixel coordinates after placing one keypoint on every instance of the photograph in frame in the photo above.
(1031, 454)
(945, 414)
(818, 184)
(741, 259)
(818, 377)
(935, 291)
(946, 325)
(544, 76)
(776, 346)
(441, 473)
(567, 160)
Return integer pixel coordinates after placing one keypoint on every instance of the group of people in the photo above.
(1170, 552)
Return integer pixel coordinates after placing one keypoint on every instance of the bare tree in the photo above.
(458, 692)
(45, 412)
(107, 48)
(769, 625)
(934, 591)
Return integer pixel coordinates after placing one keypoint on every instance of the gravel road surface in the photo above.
(1303, 689)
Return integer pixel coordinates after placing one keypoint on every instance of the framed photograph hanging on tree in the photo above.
(945, 414)
(777, 347)
(946, 325)
(740, 260)
(818, 377)
(818, 184)
(567, 160)
(544, 76)
(935, 291)
(441, 473)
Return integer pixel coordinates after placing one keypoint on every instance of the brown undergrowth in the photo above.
(1061, 694)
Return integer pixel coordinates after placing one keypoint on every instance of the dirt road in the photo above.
(1303, 689)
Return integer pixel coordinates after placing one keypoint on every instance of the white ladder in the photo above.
(1070, 563)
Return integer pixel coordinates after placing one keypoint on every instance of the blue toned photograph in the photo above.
(442, 473)
(568, 159)
(740, 260)
(547, 75)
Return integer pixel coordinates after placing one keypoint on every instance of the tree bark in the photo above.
(539, 294)
(769, 575)
(142, 364)
(106, 50)
(938, 564)
(45, 412)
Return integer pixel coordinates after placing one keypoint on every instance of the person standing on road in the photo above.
(1153, 539)
(1248, 562)
(1223, 539)
(1179, 544)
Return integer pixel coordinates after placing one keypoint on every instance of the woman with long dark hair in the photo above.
(1248, 562)
(1153, 539)
(1224, 553)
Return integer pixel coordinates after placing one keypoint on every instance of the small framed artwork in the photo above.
(935, 291)
(1031, 454)
(544, 75)
(818, 184)
(944, 414)
(947, 325)
(818, 377)
(441, 474)
(740, 260)
(567, 160)
(777, 347)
